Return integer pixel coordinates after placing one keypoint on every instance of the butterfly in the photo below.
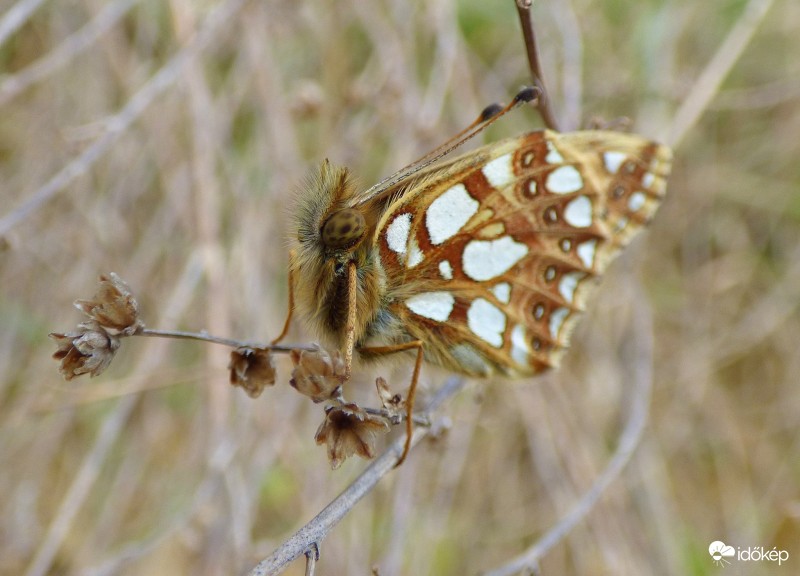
(480, 263)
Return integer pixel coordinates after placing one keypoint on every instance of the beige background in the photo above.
(159, 467)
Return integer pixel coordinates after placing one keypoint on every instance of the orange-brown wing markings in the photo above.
(490, 259)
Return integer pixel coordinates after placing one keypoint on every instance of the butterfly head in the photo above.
(326, 227)
(343, 230)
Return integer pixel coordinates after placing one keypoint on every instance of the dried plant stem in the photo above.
(110, 431)
(16, 16)
(204, 493)
(117, 125)
(311, 535)
(80, 487)
(534, 64)
(202, 336)
(707, 86)
(312, 556)
(639, 356)
(66, 51)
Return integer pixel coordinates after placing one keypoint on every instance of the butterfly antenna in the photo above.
(487, 117)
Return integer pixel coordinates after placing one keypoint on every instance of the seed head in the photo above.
(89, 350)
(253, 369)
(347, 430)
(113, 305)
(317, 374)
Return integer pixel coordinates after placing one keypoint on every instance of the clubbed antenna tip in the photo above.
(490, 111)
(527, 94)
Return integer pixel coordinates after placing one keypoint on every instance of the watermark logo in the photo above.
(721, 552)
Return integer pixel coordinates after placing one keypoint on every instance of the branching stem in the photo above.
(204, 337)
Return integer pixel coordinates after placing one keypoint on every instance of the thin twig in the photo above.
(117, 125)
(110, 431)
(396, 418)
(80, 487)
(312, 534)
(66, 50)
(312, 555)
(16, 17)
(204, 337)
(639, 355)
(206, 491)
(707, 86)
(543, 101)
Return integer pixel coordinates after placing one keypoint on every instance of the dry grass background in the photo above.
(159, 467)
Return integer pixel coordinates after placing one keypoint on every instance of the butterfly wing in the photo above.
(489, 257)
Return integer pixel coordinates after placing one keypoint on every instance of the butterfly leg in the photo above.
(290, 311)
(350, 331)
(412, 389)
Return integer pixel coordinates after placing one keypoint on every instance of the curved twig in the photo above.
(309, 536)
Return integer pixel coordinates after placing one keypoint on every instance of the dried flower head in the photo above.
(317, 374)
(393, 403)
(113, 305)
(89, 350)
(253, 369)
(348, 430)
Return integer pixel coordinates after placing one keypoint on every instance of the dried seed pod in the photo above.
(113, 305)
(317, 374)
(253, 369)
(390, 401)
(89, 350)
(347, 430)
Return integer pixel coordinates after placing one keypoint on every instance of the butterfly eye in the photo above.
(343, 229)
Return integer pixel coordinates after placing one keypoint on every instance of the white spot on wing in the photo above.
(487, 322)
(564, 180)
(499, 172)
(519, 345)
(586, 252)
(568, 283)
(397, 233)
(434, 305)
(446, 269)
(415, 255)
(553, 155)
(636, 201)
(578, 213)
(557, 318)
(502, 292)
(449, 212)
(485, 259)
(613, 160)
(648, 179)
